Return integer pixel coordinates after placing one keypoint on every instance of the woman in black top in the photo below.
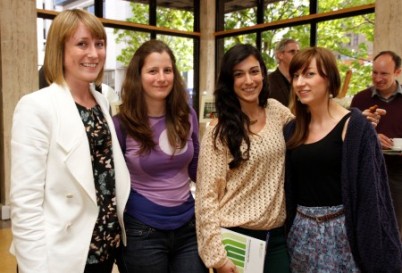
(339, 207)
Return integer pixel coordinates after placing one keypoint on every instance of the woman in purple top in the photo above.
(160, 146)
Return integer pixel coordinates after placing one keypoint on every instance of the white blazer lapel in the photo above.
(72, 138)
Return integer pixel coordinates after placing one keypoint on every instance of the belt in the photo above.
(323, 218)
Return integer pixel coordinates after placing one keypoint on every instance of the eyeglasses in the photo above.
(292, 52)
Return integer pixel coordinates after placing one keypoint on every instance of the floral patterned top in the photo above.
(106, 234)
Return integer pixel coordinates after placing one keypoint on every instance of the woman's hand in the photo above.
(227, 267)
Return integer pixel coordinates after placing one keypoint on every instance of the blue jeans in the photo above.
(160, 251)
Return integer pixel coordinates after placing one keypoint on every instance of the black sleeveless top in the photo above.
(316, 169)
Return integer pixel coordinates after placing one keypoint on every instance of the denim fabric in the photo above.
(157, 251)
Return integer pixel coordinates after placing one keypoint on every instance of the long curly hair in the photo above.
(133, 112)
(233, 125)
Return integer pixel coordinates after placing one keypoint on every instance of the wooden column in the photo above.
(207, 54)
(388, 20)
(18, 72)
(207, 51)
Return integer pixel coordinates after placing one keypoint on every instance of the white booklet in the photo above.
(246, 252)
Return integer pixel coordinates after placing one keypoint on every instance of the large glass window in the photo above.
(175, 15)
(135, 22)
(351, 39)
(240, 39)
(276, 10)
(241, 15)
(131, 11)
(183, 50)
(272, 37)
(349, 33)
(127, 42)
(121, 47)
(331, 5)
(42, 27)
(59, 5)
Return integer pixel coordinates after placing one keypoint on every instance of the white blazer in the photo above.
(53, 198)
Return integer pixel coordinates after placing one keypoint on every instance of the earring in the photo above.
(331, 96)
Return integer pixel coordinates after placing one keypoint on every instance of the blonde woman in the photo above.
(69, 181)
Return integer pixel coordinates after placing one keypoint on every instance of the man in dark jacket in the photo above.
(279, 80)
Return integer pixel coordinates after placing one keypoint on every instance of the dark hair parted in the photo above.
(395, 57)
(134, 111)
(233, 125)
(326, 68)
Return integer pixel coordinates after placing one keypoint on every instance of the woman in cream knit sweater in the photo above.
(241, 164)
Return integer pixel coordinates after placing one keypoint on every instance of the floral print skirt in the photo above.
(320, 246)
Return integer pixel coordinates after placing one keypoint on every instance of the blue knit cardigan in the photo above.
(369, 215)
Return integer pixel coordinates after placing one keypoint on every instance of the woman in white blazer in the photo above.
(69, 180)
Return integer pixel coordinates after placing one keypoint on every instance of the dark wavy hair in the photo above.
(233, 125)
(133, 112)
